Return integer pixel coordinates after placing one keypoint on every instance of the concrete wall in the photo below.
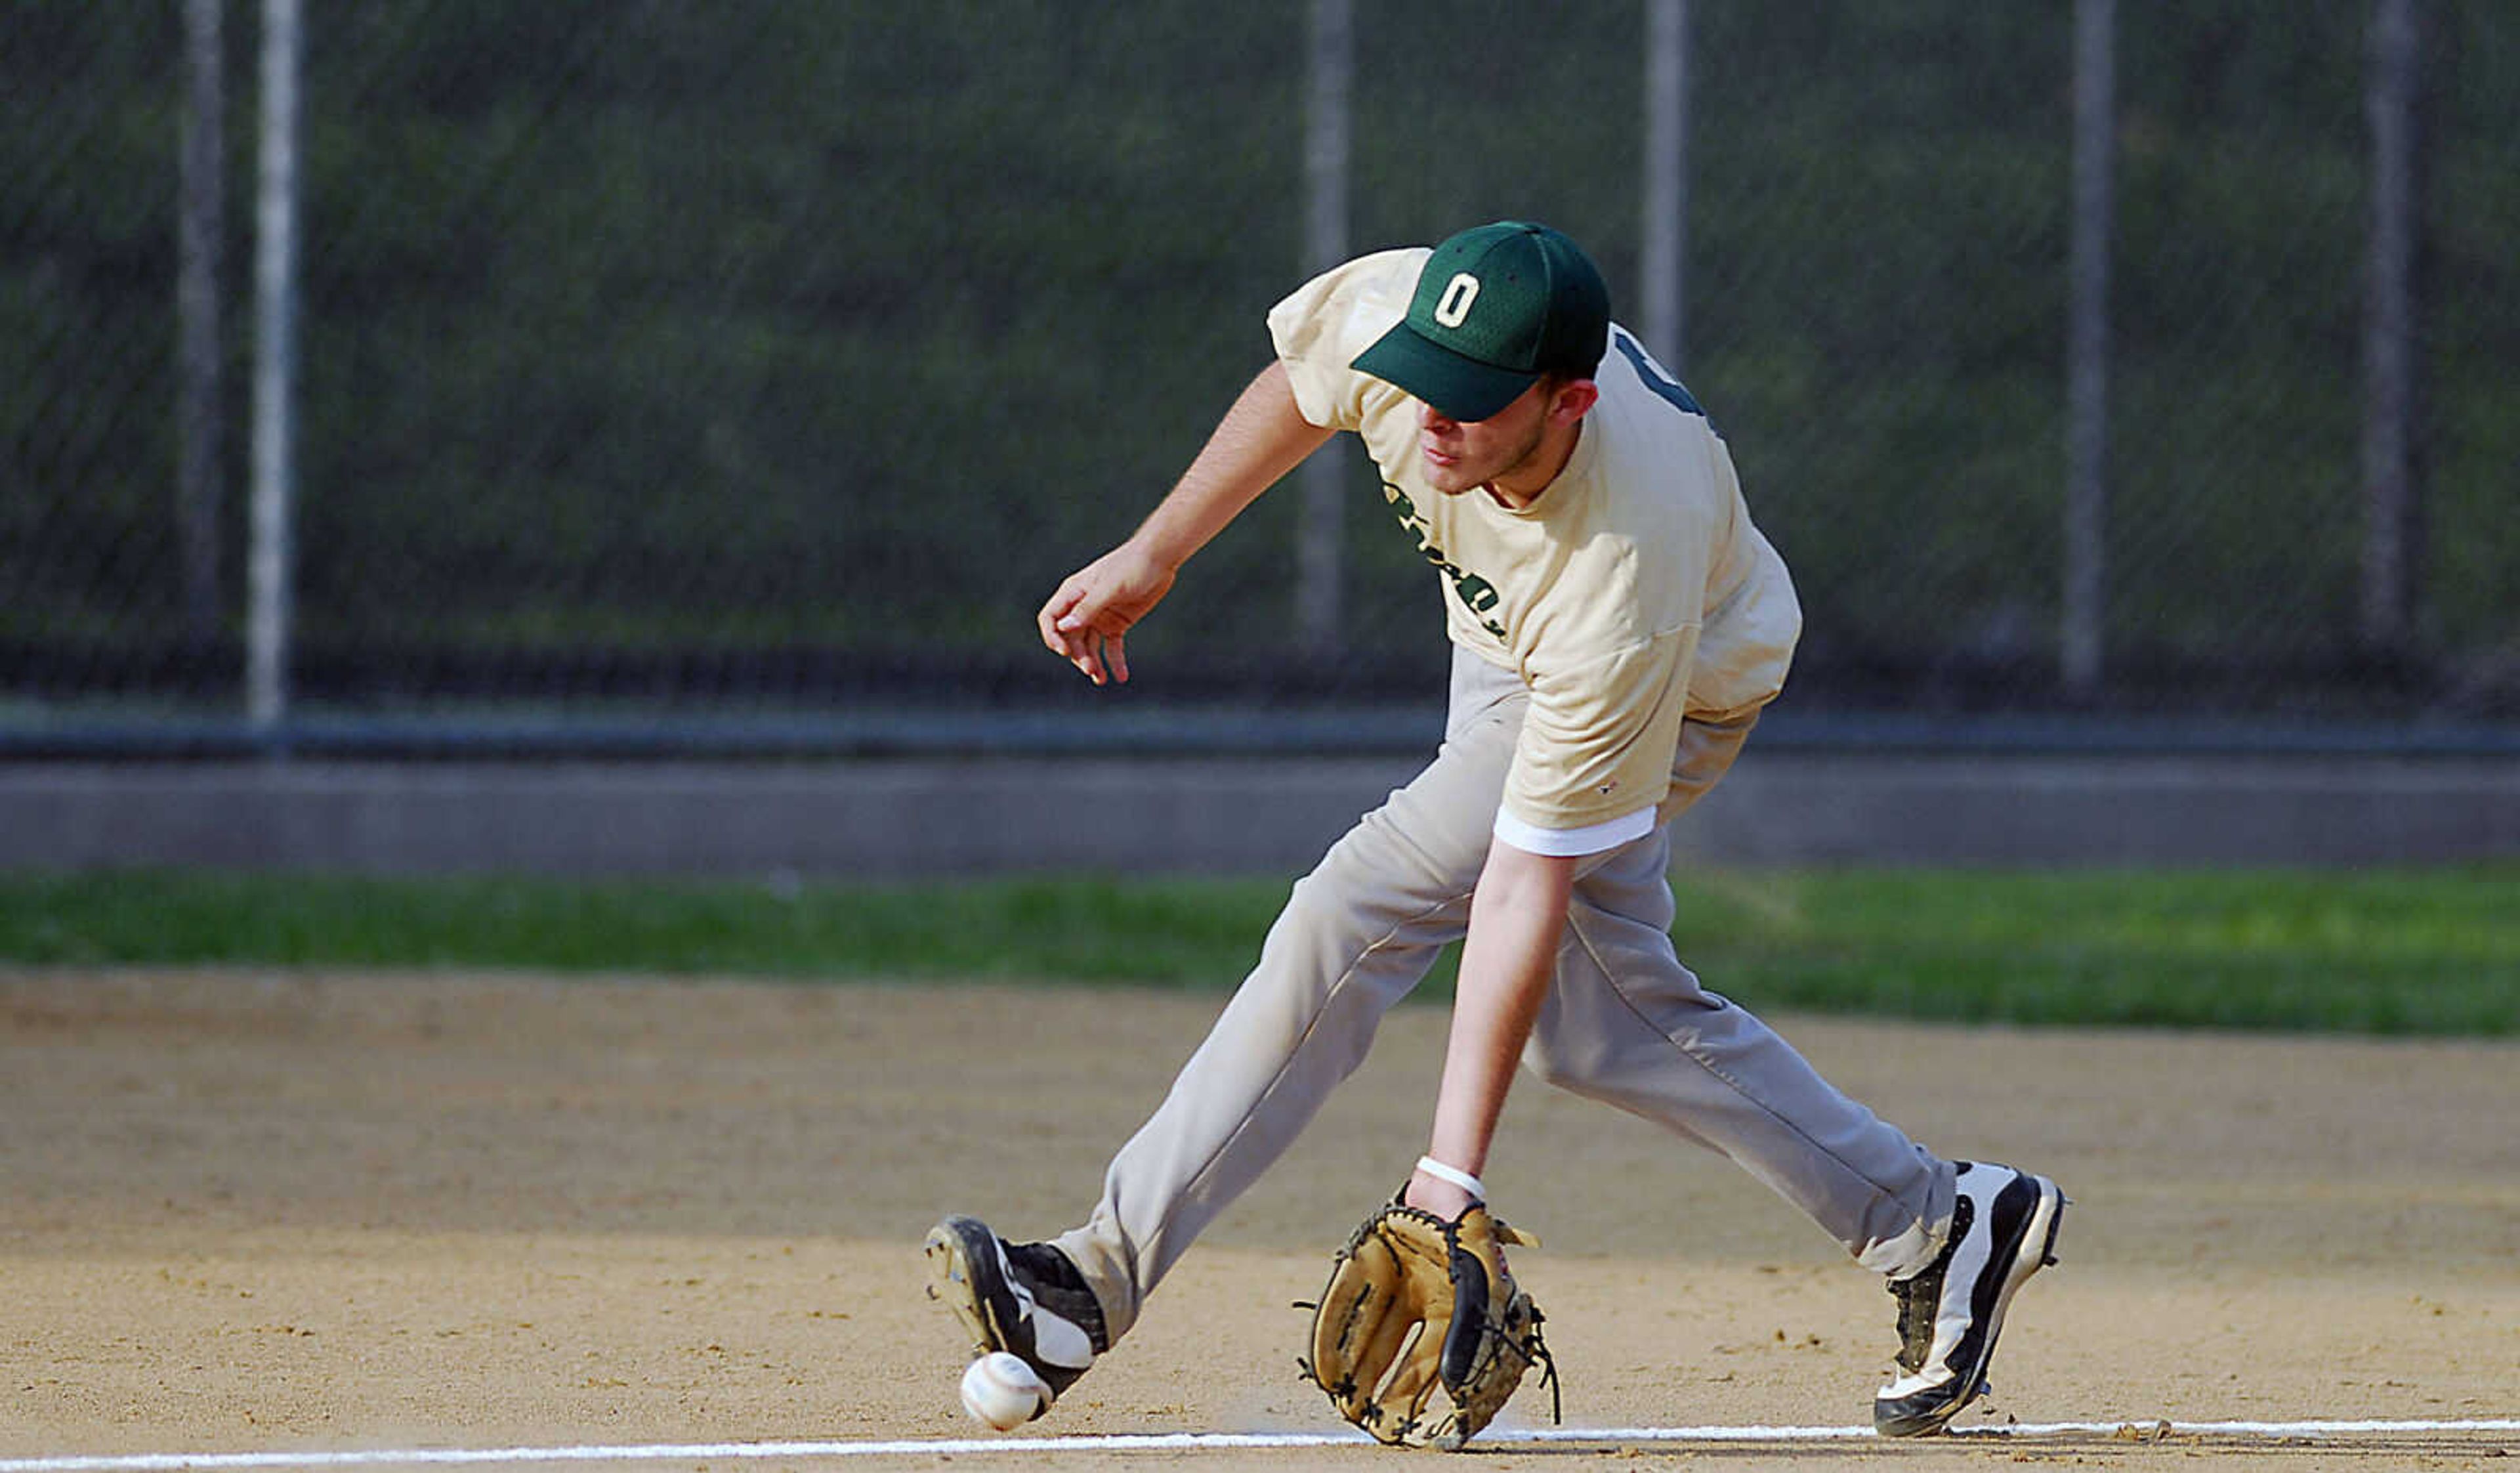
(1218, 816)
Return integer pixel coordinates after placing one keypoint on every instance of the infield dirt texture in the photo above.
(245, 1213)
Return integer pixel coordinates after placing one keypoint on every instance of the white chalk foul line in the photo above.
(1172, 1441)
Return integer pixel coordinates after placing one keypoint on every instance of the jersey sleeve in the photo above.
(1321, 327)
(1595, 757)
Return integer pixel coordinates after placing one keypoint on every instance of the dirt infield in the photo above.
(244, 1213)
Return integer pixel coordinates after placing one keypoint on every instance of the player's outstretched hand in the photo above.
(1085, 622)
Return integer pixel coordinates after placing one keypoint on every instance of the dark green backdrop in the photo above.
(731, 355)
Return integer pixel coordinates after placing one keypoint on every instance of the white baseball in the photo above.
(1000, 1390)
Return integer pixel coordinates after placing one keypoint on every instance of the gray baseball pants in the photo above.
(1624, 1023)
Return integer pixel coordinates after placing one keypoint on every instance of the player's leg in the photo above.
(1630, 1025)
(1356, 935)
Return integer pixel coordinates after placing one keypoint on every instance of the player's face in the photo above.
(1459, 454)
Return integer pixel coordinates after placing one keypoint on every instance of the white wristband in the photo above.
(1456, 1176)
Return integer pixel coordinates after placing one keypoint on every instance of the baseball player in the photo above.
(1618, 624)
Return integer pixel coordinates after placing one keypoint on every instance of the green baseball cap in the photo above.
(1496, 307)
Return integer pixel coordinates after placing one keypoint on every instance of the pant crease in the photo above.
(1312, 1022)
(1611, 980)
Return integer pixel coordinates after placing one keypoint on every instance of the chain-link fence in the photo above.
(673, 364)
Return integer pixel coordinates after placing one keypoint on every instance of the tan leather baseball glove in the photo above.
(1416, 1304)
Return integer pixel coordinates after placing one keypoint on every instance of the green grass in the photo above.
(2399, 951)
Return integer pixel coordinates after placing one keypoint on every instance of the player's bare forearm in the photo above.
(1517, 918)
(1260, 439)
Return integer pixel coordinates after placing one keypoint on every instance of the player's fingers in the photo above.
(1078, 650)
(1067, 628)
(1115, 658)
(1060, 641)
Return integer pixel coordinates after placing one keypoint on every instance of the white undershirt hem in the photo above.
(1569, 844)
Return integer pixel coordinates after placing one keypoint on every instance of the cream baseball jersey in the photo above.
(1635, 592)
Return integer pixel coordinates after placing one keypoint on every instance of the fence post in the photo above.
(1664, 299)
(2392, 497)
(2087, 372)
(200, 234)
(1319, 540)
(267, 635)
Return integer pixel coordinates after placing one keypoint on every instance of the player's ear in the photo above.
(1573, 399)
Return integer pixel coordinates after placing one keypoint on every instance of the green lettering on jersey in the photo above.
(1476, 594)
